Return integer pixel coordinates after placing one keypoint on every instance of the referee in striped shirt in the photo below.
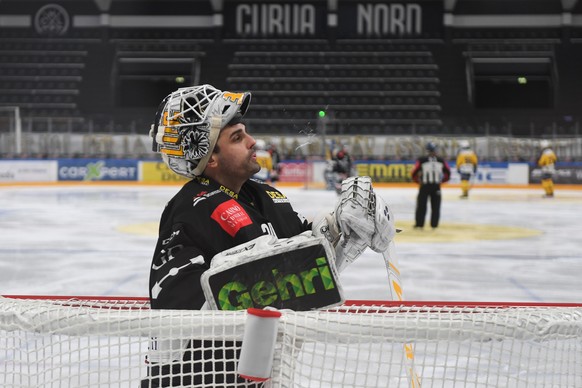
(429, 172)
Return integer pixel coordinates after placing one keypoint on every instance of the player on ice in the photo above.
(547, 162)
(265, 161)
(222, 218)
(338, 168)
(466, 166)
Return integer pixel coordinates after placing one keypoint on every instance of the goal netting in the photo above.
(107, 342)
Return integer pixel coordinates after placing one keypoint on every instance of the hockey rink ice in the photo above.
(499, 245)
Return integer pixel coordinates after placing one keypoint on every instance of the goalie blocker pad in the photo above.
(298, 273)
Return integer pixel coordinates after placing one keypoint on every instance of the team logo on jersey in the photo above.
(277, 196)
(201, 196)
(202, 180)
(231, 216)
(229, 192)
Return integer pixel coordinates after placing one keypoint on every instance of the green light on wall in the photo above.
(522, 80)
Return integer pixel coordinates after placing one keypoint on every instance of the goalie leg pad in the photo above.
(298, 273)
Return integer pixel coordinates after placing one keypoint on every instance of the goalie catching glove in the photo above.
(360, 219)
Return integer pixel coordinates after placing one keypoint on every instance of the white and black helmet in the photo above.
(187, 124)
(260, 144)
(464, 144)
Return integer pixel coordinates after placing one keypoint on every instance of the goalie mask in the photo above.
(188, 122)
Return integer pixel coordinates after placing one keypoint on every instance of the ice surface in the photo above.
(499, 245)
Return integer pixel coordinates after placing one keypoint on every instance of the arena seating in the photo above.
(372, 88)
(101, 74)
(43, 78)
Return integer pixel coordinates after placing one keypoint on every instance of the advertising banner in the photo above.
(386, 172)
(98, 170)
(293, 172)
(28, 171)
(382, 171)
(159, 172)
(400, 172)
(565, 174)
(487, 173)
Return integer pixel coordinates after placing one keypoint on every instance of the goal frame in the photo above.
(347, 303)
(70, 340)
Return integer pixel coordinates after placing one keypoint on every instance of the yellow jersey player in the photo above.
(265, 160)
(547, 163)
(466, 166)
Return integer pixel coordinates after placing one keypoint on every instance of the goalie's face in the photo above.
(234, 159)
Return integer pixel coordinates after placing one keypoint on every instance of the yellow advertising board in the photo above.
(159, 172)
(386, 172)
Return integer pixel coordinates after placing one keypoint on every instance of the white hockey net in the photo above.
(101, 342)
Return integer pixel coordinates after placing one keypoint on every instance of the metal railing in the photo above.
(77, 137)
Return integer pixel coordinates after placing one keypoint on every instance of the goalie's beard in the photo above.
(204, 363)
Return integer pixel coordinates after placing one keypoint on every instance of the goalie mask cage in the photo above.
(106, 342)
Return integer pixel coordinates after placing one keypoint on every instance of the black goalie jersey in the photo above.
(203, 219)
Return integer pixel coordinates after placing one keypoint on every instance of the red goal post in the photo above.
(62, 341)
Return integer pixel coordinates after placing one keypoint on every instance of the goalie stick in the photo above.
(397, 294)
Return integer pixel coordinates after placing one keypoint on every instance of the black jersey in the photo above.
(205, 218)
(431, 170)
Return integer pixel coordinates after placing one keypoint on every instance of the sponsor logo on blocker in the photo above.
(236, 295)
